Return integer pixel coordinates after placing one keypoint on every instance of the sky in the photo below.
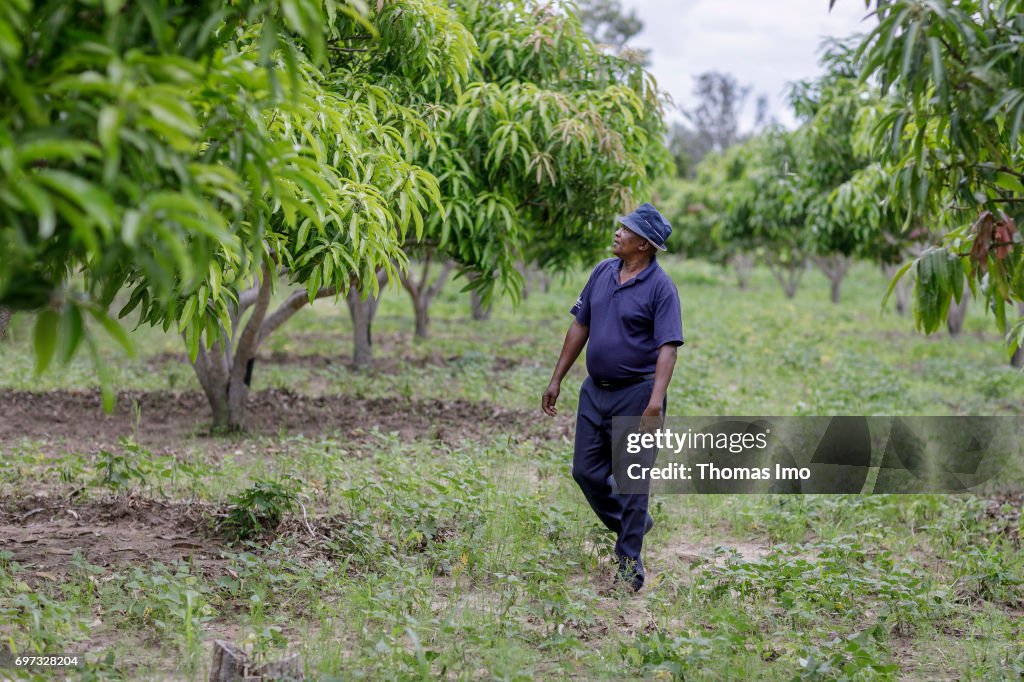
(763, 43)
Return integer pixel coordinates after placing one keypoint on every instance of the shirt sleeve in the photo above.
(581, 309)
(668, 322)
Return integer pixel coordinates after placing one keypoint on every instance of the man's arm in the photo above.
(575, 339)
(662, 376)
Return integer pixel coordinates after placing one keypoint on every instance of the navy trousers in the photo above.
(626, 515)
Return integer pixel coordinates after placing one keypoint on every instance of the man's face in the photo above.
(628, 243)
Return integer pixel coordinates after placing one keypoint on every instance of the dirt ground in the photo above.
(169, 418)
(44, 532)
(392, 355)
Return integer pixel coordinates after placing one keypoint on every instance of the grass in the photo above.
(475, 556)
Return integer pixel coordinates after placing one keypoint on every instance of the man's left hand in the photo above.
(651, 419)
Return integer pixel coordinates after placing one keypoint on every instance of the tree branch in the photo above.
(442, 277)
(250, 338)
(528, 202)
(952, 53)
(1010, 171)
(408, 284)
(426, 269)
(245, 301)
(291, 305)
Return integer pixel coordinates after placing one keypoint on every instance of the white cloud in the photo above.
(763, 43)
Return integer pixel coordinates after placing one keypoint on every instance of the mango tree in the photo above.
(107, 113)
(953, 132)
(370, 194)
(196, 154)
(98, 168)
(828, 107)
(694, 207)
(548, 141)
(767, 205)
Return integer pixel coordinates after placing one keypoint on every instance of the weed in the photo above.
(259, 509)
(172, 603)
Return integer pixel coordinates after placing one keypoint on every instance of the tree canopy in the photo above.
(193, 155)
(951, 131)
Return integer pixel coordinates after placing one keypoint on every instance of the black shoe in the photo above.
(630, 574)
(649, 525)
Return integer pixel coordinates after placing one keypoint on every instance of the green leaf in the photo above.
(71, 333)
(39, 202)
(112, 7)
(895, 280)
(133, 301)
(115, 330)
(108, 125)
(56, 150)
(938, 70)
(187, 312)
(45, 339)
(103, 374)
(957, 277)
(93, 200)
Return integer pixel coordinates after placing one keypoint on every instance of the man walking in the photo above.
(629, 312)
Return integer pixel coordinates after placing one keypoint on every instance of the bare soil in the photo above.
(43, 533)
(167, 418)
(393, 354)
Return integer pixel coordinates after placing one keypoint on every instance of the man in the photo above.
(629, 312)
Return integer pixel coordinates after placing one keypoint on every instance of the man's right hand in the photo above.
(550, 397)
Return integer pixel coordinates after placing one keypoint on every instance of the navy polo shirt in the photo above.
(628, 322)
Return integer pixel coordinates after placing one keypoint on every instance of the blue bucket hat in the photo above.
(649, 224)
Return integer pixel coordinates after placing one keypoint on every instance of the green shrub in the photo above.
(258, 510)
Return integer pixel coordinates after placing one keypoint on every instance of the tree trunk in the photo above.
(743, 264)
(523, 270)
(529, 273)
(212, 369)
(1017, 360)
(423, 292)
(480, 311)
(957, 313)
(5, 319)
(362, 309)
(787, 274)
(422, 311)
(834, 266)
(225, 371)
(901, 290)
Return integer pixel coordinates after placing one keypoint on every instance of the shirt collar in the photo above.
(640, 276)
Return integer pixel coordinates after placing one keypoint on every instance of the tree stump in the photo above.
(231, 664)
(287, 669)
